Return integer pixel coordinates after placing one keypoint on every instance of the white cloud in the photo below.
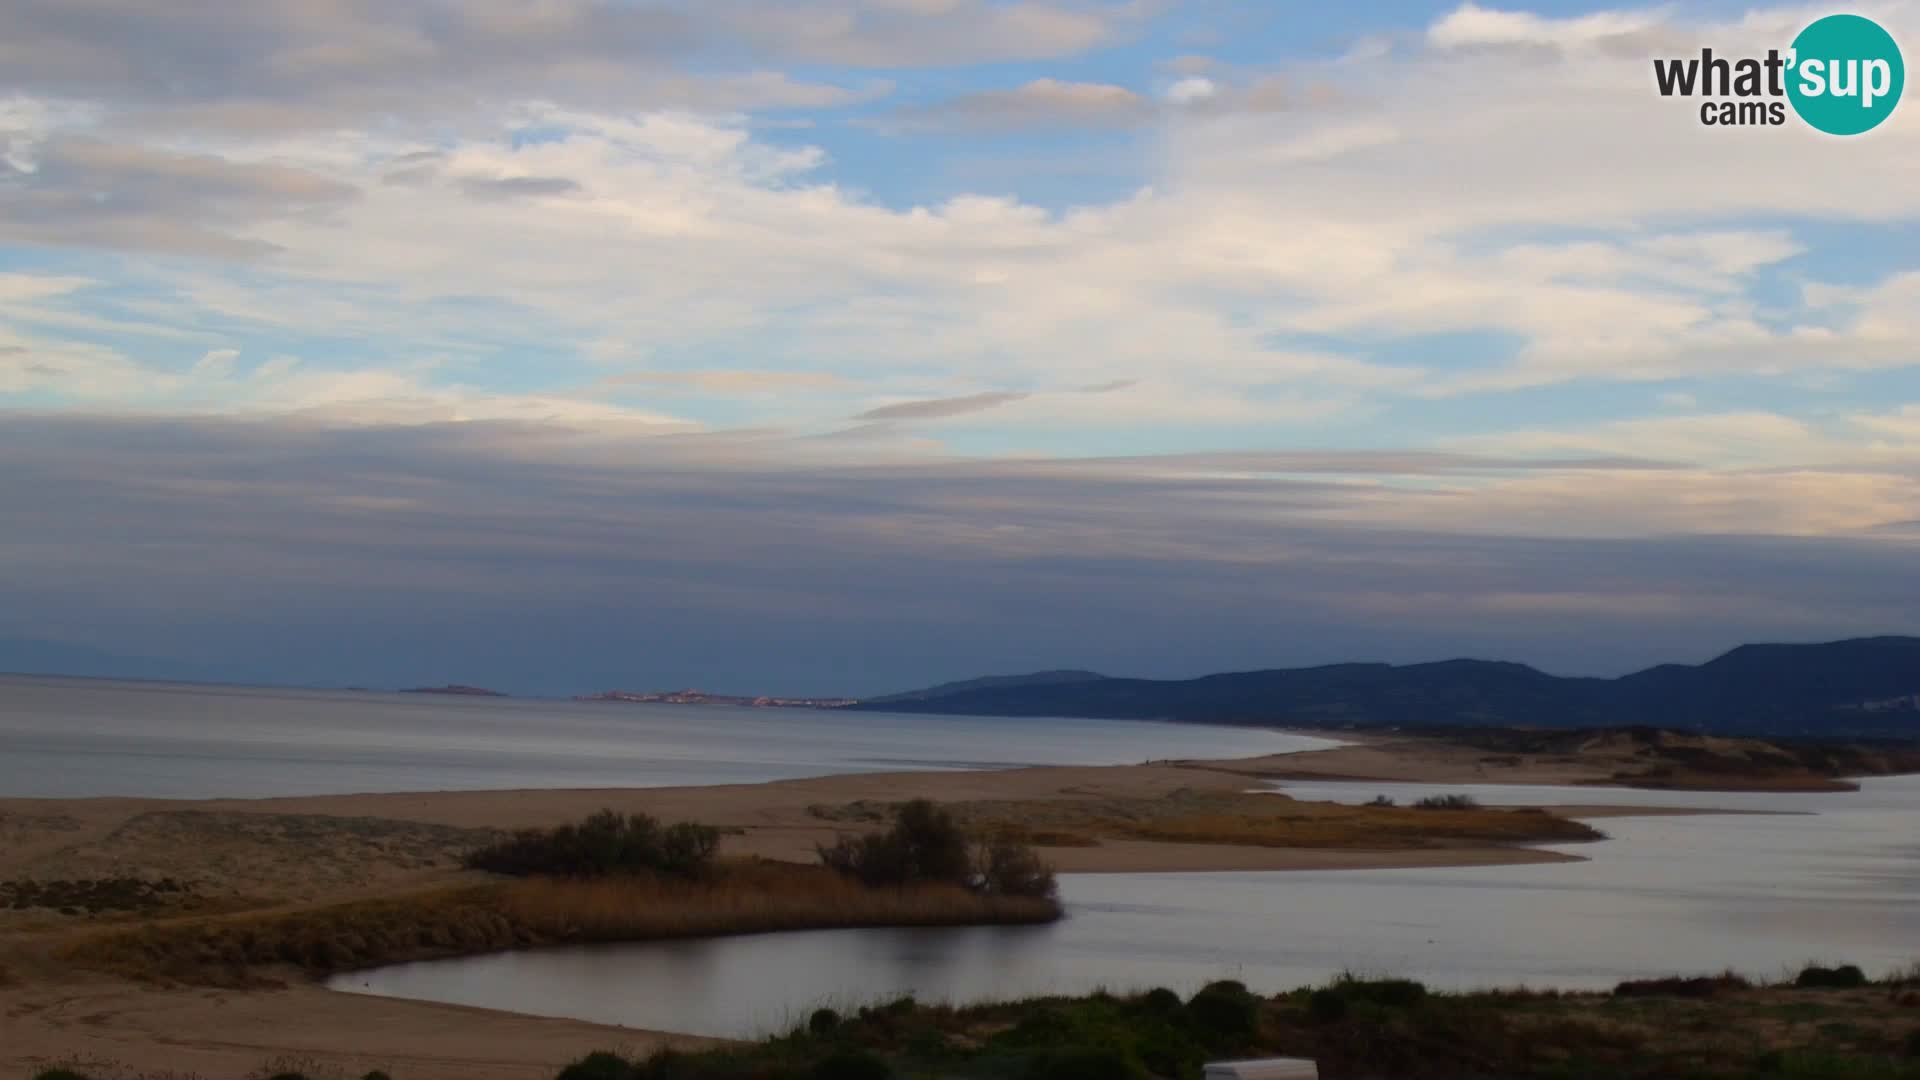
(1509, 176)
(215, 364)
(1470, 25)
(1192, 90)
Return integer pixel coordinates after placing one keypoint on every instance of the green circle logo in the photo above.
(1846, 76)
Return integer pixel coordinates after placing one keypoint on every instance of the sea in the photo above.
(75, 738)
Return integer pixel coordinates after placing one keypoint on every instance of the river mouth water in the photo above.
(1835, 878)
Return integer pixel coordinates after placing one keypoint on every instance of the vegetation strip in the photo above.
(1826, 1024)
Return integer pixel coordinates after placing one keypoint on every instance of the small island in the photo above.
(455, 689)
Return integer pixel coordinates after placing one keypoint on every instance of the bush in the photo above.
(926, 846)
(1447, 802)
(823, 1021)
(605, 844)
(686, 849)
(1700, 986)
(1084, 1063)
(852, 1065)
(666, 1064)
(1327, 1006)
(1012, 869)
(1844, 977)
(1160, 1000)
(600, 1065)
(1380, 800)
(1226, 1012)
(1386, 993)
(1167, 1050)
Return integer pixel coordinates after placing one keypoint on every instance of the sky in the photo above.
(845, 346)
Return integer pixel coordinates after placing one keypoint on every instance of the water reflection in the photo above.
(1756, 893)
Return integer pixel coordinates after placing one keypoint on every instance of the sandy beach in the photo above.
(272, 854)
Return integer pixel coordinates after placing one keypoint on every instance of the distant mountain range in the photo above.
(991, 682)
(1860, 687)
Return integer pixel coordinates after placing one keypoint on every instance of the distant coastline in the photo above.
(701, 697)
(455, 689)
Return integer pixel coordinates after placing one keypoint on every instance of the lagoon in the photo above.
(1836, 879)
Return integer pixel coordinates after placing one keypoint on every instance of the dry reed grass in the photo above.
(1266, 820)
(740, 898)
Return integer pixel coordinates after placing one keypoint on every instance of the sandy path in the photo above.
(224, 1033)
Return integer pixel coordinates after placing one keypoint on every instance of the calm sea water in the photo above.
(68, 738)
(1837, 880)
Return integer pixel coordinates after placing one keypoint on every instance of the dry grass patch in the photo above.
(1261, 820)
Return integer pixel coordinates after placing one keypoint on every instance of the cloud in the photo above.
(728, 382)
(1471, 26)
(1317, 253)
(940, 408)
(940, 33)
(554, 549)
(1192, 90)
(519, 187)
(1042, 103)
(80, 191)
(216, 363)
(1276, 247)
(286, 66)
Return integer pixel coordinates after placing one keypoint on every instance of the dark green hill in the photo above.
(992, 682)
(1866, 686)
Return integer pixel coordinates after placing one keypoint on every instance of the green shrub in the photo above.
(1225, 1012)
(1387, 993)
(1844, 977)
(1042, 1027)
(600, 1065)
(1084, 1063)
(1327, 1006)
(666, 1064)
(605, 844)
(823, 1021)
(851, 1065)
(1160, 1000)
(1380, 800)
(1167, 1050)
(1699, 986)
